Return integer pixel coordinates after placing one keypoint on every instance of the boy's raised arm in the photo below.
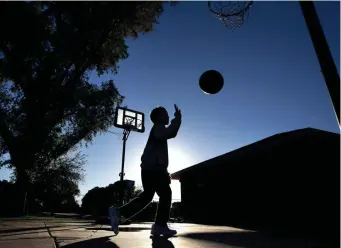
(162, 132)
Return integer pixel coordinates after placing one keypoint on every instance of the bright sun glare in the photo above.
(178, 160)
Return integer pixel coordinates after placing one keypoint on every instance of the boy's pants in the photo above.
(152, 181)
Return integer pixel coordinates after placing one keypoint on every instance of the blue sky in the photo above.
(272, 77)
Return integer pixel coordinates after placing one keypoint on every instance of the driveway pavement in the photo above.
(82, 234)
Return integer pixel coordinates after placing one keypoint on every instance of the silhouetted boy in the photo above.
(154, 173)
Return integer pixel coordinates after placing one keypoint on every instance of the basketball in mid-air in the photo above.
(211, 82)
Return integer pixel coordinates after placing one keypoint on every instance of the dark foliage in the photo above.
(97, 200)
(48, 104)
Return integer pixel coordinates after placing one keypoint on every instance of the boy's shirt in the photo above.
(155, 154)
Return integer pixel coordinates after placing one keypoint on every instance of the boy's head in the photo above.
(159, 115)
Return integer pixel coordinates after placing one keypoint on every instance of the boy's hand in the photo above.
(177, 112)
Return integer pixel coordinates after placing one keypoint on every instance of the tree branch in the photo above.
(6, 162)
(69, 142)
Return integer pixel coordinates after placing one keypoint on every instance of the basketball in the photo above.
(211, 82)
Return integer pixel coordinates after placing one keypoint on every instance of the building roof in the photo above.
(255, 147)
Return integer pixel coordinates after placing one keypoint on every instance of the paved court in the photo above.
(85, 235)
(24, 234)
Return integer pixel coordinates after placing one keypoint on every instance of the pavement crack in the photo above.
(55, 243)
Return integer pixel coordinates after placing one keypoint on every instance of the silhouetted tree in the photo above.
(48, 103)
(92, 201)
(53, 188)
(69, 205)
(57, 184)
(97, 200)
(7, 198)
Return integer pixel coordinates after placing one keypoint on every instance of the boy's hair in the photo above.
(154, 115)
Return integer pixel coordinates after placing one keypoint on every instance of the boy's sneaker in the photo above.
(158, 230)
(114, 219)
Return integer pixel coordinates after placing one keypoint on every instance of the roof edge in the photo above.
(176, 175)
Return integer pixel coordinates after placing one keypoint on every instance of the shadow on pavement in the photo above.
(249, 239)
(240, 239)
(160, 242)
(105, 242)
(102, 242)
(122, 229)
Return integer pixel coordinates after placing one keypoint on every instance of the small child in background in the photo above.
(154, 173)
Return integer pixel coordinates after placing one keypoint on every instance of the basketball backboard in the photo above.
(129, 119)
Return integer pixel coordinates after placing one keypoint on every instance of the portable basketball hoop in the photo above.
(128, 120)
(231, 13)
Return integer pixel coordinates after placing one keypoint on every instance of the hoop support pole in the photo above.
(328, 67)
(125, 138)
